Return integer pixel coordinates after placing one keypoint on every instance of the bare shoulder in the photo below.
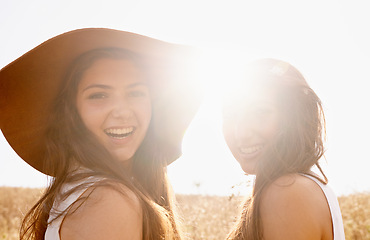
(104, 212)
(294, 207)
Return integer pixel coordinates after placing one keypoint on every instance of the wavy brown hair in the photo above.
(70, 144)
(298, 145)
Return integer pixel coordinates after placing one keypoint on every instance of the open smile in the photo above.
(120, 133)
(250, 150)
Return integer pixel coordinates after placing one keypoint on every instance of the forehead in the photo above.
(107, 70)
(251, 96)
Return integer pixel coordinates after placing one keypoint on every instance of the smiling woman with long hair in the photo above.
(103, 112)
(274, 125)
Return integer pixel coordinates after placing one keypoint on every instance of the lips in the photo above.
(250, 149)
(120, 133)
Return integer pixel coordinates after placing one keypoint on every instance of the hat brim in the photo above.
(29, 85)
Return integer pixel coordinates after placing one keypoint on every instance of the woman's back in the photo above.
(300, 207)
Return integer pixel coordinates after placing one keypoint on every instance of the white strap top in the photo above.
(52, 230)
(336, 215)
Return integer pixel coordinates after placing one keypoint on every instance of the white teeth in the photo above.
(249, 150)
(119, 132)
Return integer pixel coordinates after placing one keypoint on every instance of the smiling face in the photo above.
(114, 103)
(250, 125)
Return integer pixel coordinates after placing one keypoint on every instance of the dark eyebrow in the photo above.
(97, 86)
(137, 84)
(109, 87)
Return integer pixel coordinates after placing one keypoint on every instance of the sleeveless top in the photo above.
(336, 216)
(54, 223)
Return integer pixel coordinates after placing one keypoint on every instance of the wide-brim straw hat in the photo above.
(29, 85)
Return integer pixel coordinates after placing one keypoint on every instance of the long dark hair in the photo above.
(299, 144)
(70, 144)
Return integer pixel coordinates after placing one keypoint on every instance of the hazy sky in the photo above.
(328, 41)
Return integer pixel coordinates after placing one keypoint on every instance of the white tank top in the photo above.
(52, 230)
(335, 212)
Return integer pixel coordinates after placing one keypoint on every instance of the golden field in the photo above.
(205, 217)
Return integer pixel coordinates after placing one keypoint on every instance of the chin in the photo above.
(124, 157)
(248, 168)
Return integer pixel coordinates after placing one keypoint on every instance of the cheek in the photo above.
(87, 119)
(90, 116)
(144, 113)
(271, 129)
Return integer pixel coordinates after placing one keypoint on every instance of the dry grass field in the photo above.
(205, 217)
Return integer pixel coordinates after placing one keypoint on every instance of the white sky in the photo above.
(327, 40)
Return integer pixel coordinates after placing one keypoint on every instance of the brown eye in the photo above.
(97, 96)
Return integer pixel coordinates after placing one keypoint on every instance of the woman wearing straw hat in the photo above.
(103, 112)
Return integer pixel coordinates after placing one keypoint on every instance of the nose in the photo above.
(121, 109)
